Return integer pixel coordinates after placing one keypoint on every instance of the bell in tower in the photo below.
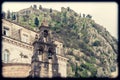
(45, 33)
(50, 53)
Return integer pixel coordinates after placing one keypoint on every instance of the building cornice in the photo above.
(17, 42)
(13, 64)
(62, 57)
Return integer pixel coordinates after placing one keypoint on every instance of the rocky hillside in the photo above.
(91, 50)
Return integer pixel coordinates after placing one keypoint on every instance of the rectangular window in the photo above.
(57, 50)
(25, 38)
(6, 31)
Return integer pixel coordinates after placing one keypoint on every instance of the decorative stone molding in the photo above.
(62, 58)
(17, 43)
(12, 64)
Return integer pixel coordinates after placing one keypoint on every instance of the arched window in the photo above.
(6, 56)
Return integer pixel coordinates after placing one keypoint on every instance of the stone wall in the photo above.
(16, 65)
(16, 70)
(15, 51)
(17, 32)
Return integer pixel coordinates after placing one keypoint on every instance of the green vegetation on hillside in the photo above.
(78, 32)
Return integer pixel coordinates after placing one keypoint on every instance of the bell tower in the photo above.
(44, 59)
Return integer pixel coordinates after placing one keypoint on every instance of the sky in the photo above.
(104, 13)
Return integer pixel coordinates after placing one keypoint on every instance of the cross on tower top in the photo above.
(44, 22)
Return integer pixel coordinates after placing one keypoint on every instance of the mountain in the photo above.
(91, 50)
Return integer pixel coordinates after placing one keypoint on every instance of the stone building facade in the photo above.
(17, 51)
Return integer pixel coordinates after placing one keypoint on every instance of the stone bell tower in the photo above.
(44, 60)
